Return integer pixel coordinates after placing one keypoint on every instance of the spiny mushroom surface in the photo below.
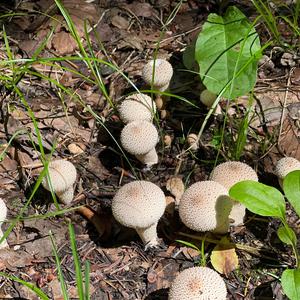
(3, 214)
(139, 205)
(62, 175)
(284, 166)
(228, 174)
(198, 283)
(163, 73)
(137, 107)
(205, 206)
(140, 138)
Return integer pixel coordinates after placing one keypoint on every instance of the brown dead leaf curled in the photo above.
(224, 258)
(176, 187)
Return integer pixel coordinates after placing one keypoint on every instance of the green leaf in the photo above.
(259, 198)
(291, 187)
(287, 235)
(227, 50)
(290, 281)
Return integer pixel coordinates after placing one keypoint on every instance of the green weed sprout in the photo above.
(267, 201)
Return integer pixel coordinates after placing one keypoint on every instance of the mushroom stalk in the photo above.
(66, 196)
(149, 159)
(148, 235)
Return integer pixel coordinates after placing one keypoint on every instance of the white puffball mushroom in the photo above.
(205, 206)
(198, 283)
(3, 214)
(192, 140)
(140, 138)
(137, 107)
(228, 174)
(284, 166)
(207, 98)
(140, 205)
(163, 72)
(62, 175)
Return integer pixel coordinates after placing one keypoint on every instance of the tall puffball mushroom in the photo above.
(205, 206)
(62, 175)
(198, 283)
(228, 174)
(137, 107)
(163, 72)
(139, 205)
(3, 214)
(140, 138)
(284, 166)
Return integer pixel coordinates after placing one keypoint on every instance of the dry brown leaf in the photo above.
(63, 43)
(141, 9)
(176, 187)
(224, 258)
(120, 22)
(74, 149)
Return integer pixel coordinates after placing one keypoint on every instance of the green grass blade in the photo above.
(29, 285)
(87, 270)
(59, 270)
(79, 280)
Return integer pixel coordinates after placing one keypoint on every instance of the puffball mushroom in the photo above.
(137, 107)
(284, 166)
(139, 205)
(192, 140)
(228, 174)
(208, 98)
(163, 72)
(3, 214)
(140, 138)
(62, 175)
(205, 206)
(198, 283)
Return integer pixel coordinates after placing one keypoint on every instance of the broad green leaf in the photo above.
(291, 187)
(290, 281)
(227, 50)
(259, 198)
(287, 235)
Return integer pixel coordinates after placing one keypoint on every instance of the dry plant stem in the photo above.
(148, 235)
(252, 250)
(284, 104)
(92, 217)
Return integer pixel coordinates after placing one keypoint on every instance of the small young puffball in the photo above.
(62, 175)
(284, 166)
(163, 73)
(208, 98)
(192, 140)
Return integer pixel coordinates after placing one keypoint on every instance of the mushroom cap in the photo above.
(139, 137)
(137, 107)
(192, 140)
(205, 206)
(207, 98)
(3, 210)
(286, 165)
(138, 204)
(162, 74)
(231, 172)
(198, 283)
(62, 174)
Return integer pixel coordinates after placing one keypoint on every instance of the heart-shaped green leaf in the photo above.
(227, 50)
(259, 198)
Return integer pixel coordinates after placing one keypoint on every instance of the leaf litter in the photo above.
(120, 269)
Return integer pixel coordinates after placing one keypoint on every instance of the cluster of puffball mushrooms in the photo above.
(204, 206)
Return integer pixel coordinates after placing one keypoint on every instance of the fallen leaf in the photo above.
(120, 22)
(63, 43)
(224, 258)
(176, 187)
